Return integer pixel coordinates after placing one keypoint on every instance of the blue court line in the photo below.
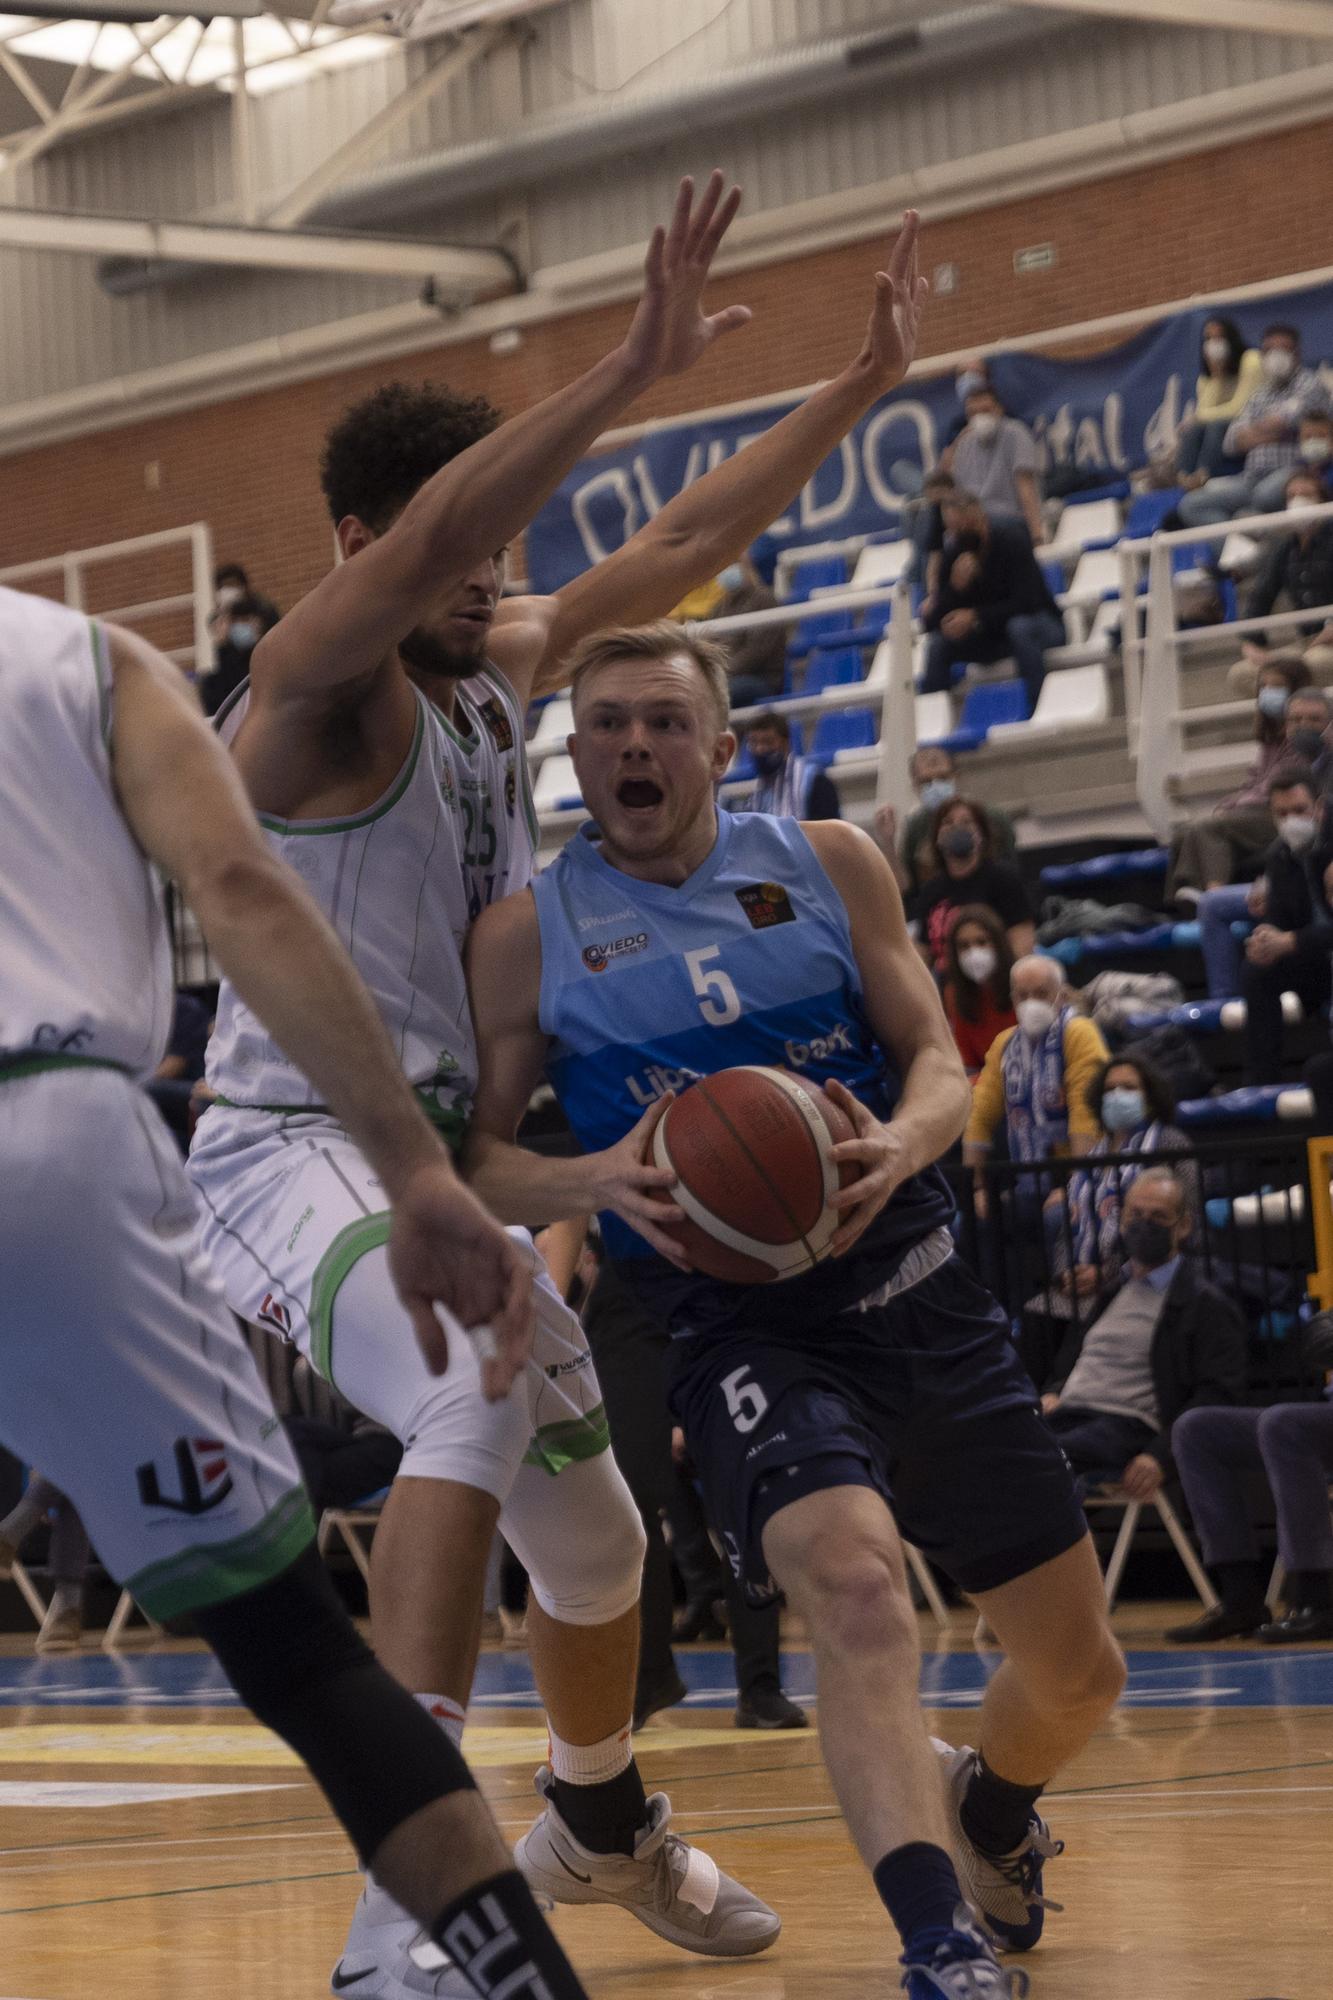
(1271, 1678)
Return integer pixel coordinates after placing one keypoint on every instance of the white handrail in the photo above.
(1216, 531)
(798, 610)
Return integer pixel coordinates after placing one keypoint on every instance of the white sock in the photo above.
(591, 1763)
(447, 1713)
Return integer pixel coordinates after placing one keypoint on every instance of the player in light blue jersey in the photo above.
(671, 940)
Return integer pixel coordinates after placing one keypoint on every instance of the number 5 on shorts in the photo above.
(746, 1401)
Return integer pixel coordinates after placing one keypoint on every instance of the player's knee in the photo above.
(856, 1598)
(1085, 1679)
(592, 1572)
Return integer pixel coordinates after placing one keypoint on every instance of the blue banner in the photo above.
(1106, 413)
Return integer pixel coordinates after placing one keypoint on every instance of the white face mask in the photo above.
(1216, 350)
(1035, 1017)
(986, 426)
(1298, 830)
(1279, 364)
(978, 962)
(1316, 450)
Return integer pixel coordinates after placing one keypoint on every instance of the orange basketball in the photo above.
(751, 1149)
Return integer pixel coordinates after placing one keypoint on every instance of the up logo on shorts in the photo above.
(201, 1472)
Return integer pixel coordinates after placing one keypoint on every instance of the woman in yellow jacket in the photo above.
(1036, 1078)
(1229, 374)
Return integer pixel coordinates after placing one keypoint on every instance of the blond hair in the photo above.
(666, 640)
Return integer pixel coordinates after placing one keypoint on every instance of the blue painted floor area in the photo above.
(1243, 1678)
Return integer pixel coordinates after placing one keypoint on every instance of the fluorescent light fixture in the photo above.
(277, 64)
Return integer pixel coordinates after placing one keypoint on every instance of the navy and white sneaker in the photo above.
(1005, 1890)
(961, 1965)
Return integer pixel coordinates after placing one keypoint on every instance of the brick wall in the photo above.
(1232, 216)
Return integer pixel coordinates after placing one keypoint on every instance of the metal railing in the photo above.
(76, 569)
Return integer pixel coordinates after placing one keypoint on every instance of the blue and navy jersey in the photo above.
(646, 987)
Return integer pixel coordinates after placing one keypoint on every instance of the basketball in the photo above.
(752, 1152)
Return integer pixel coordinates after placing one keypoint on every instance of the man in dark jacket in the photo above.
(1296, 569)
(1289, 950)
(993, 600)
(1167, 1342)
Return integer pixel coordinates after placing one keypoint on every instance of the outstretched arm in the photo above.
(716, 518)
(903, 1007)
(351, 621)
(182, 796)
(504, 985)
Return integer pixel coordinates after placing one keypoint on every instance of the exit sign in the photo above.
(1037, 257)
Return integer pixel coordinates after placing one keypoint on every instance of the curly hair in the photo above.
(383, 449)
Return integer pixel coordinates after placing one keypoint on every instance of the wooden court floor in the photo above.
(1199, 1827)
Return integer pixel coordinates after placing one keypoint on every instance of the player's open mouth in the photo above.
(639, 794)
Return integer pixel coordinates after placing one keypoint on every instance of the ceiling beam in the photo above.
(1313, 18)
(454, 269)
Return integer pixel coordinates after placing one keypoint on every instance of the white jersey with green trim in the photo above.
(400, 883)
(85, 952)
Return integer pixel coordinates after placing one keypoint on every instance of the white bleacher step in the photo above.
(934, 716)
(1074, 697)
(880, 564)
(1297, 1103)
(556, 784)
(554, 724)
(1240, 554)
(1096, 577)
(1234, 1013)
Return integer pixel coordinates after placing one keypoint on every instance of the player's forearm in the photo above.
(934, 1106)
(287, 964)
(528, 1188)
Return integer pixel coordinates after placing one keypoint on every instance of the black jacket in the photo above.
(1303, 569)
(1296, 897)
(1010, 584)
(1198, 1353)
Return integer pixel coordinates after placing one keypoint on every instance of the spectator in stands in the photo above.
(789, 787)
(1036, 1077)
(1229, 374)
(1218, 1453)
(969, 873)
(1289, 950)
(173, 1082)
(1306, 741)
(69, 1556)
(996, 458)
(1266, 434)
(1297, 569)
(239, 619)
(993, 600)
(1212, 850)
(925, 526)
(1167, 1342)
(756, 660)
(911, 854)
(1134, 1105)
(977, 999)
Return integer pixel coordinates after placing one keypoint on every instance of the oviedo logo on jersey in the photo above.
(201, 1475)
(766, 904)
(596, 957)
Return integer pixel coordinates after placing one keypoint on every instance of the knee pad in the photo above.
(580, 1539)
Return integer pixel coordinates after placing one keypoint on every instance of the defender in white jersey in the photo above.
(123, 1371)
(326, 746)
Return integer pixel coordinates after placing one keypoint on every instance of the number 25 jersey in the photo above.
(645, 987)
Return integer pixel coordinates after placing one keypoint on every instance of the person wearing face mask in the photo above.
(790, 787)
(1134, 1105)
(1229, 374)
(1035, 1080)
(757, 659)
(1289, 950)
(993, 601)
(976, 995)
(238, 621)
(911, 852)
(1265, 435)
(969, 873)
(1297, 569)
(1168, 1342)
(1212, 850)
(996, 459)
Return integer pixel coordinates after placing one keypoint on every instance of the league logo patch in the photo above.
(498, 723)
(766, 904)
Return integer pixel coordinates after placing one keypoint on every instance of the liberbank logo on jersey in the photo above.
(596, 957)
(657, 1080)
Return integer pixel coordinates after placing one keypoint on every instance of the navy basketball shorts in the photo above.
(923, 1400)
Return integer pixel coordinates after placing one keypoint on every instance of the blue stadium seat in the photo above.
(1054, 574)
(1196, 1017)
(1107, 867)
(1126, 944)
(1252, 1104)
(819, 573)
(1147, 511)
(742, 765)
(867, 634)
(851, 729)
(842, 669)
(992, 702)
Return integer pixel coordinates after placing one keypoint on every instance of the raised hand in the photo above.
(445, 1250)
(895, 317)
(670, 330)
